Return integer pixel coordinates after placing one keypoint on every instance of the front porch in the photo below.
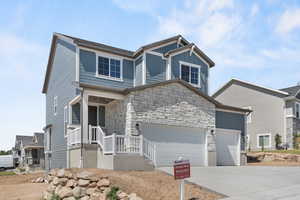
(33, 157)
(98, 123)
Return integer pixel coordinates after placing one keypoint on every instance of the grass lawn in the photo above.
(279, 151)
(6, 173)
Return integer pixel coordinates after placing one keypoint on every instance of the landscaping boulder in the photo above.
(65, 192)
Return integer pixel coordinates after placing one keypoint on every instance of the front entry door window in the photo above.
(97, 116)
(93, 115)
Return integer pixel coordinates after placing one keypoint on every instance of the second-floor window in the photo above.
(109, 68)
(190, 73)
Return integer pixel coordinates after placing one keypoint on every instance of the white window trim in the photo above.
(270, 140)
(55, 105)
(109, 58)
(191, 65)
(296, 103)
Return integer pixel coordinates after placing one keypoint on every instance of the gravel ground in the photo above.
(275, 163)
(153, 185)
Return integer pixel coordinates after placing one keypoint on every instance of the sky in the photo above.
(252, 40)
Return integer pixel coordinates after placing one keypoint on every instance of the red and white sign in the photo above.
(182, 169)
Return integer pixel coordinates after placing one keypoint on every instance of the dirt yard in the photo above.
(19, 187)
(276, 163)
(154, 185)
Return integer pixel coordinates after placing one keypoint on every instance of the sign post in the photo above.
(181, 171)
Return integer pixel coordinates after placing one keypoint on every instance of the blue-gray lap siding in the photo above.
(235, 121)
(155, 69)
(138, 67)
(88, 71)
(186, 57)
(60, 84)
(167, 48)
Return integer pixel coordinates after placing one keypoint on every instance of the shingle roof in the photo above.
(29, 140)
(292, 90)
(208, 98)
(250, 85)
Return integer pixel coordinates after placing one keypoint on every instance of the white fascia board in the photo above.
(274, 90)
(104, 94)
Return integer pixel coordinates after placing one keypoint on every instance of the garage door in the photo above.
(173, 142)
(228, 147)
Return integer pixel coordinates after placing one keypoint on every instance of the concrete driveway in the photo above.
(248, 182)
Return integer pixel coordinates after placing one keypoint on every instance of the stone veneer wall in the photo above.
(115, 117)
(171, 104)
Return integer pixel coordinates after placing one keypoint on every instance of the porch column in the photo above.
(85, 117)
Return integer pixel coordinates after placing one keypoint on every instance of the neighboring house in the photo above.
(112, 108)
(29, 151)
(274, 111)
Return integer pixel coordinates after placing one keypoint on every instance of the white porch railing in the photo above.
(74, 136)
(149, 150)
(116, 144)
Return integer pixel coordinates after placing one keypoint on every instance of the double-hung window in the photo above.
(110, 68)
(264, 140)
(297, 110)
(190, 73)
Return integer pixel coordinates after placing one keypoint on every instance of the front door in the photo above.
(93, 115)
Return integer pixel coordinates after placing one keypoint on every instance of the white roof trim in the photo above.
(274, 90)
(235, 79)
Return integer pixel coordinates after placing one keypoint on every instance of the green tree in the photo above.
(278, 141)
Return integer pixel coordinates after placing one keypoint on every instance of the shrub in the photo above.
(278, 141)
(55, 197)
(112, 195)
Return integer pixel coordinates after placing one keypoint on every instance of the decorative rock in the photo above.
(98, 196)
(122, 195)
(60, 173)
(55, 181)
(71, 183)
(69, 198)
(83, 182)
(133, 196)
(51, 188)
(92, 185)
(68, 174)
(85, 198)
(47, 196)
(57, 189)
(76, 192)
(84, 175)
(103, 183)
(65, 192)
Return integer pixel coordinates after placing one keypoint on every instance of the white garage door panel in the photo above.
(173, 142)
(167, 153)
(228, 148)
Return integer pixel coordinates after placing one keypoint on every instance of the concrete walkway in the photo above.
(249, 182)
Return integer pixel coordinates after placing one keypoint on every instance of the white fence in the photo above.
(116, 144)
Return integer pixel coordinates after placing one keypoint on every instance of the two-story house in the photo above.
(274, 112)
(29, 151)
(112, 108)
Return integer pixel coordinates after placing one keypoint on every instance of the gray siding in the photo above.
(166, 48)
(268, 111)
(88, 72)
(155, 69)
(185, 56)
(60, 85)
(138, 71)
(235, 121)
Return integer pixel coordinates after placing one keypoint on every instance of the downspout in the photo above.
(81, 130)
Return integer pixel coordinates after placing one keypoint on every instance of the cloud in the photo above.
(254, 9)
(220, 4)
(145, 6)
(288, 21)
(19, 57)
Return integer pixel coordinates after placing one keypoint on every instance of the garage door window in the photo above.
(264, 140)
